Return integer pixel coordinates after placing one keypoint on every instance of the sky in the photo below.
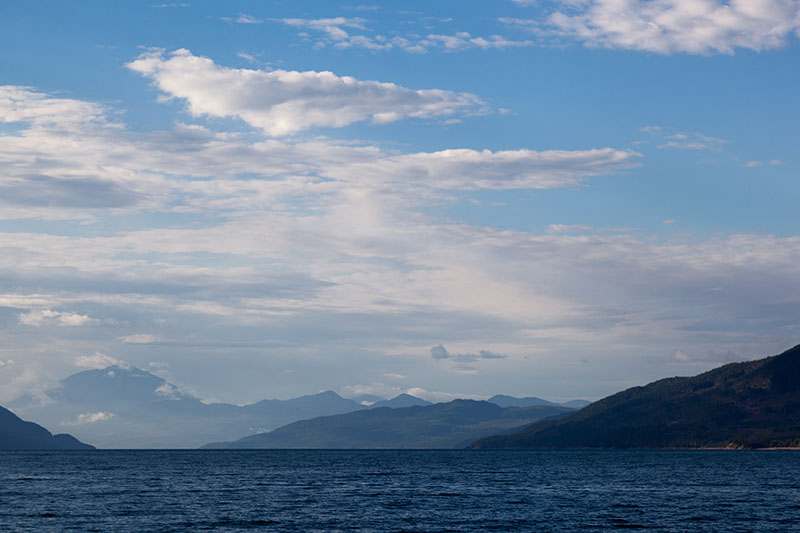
(264, 199)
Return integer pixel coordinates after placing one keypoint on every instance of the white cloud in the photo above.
(244, 18)
(473, 169)
(568, 228)
(97, 360)
(306, 252)
(139, 338)
(686, 140)
(167, 390)
(332, 27)
(756, 163)
(22, 104)
(335, 31)
(284, 102)
(673, 26)
(390, 391)
(463, 41)
(247, 57)
(89, 418)
(48, 317)
(680, 357)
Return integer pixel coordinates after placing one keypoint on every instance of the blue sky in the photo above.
(267, 199)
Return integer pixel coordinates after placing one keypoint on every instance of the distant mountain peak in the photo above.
(401, 400)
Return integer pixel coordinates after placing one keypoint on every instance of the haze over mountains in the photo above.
(754, 404)
(742, 405)
(126, 407)
(443, 425)
(120, 407)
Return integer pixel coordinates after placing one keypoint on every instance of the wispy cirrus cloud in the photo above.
(338, 32)
(335, 28)
(685, 140)
(243, 18)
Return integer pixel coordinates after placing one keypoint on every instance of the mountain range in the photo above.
(754, 404)
(17, 434)
(453, 424)
(126, 407)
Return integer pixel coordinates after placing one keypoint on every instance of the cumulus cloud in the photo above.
(97, 360)
(285, 102)
(89, 418)
(673, 26)
(48, 317)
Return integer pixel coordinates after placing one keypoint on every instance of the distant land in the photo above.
(453, 424)
(509, 401)
(754, 404)
(126, 407)
(16, 434)
(401, 400)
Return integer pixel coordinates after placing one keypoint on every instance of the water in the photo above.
(399, 490)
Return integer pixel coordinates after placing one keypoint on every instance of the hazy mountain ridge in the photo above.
(401, 400)
(443, 425)
(529, 401)
(17, 434)
(126, 407)
(753, 404)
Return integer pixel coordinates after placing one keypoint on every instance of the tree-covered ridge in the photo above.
(16, 434)
(753, 404)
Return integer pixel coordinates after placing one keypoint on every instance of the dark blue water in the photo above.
(399, 491)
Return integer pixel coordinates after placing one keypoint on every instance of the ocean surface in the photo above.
(234, 490)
